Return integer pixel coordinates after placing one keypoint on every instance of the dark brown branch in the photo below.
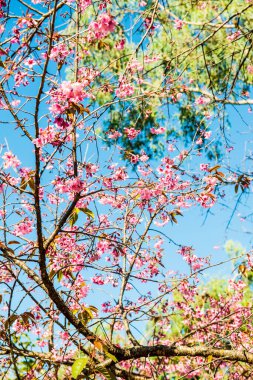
(202, 351)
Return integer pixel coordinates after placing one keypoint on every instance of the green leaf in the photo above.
(88, 311)
(106, 373)
(111, 356)
(78, 366)
(59, 275)
(86, 315)
(88, 212)
(73, 217)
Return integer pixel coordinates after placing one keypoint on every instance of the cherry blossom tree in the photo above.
(86, 291)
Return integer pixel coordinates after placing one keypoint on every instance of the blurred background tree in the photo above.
(185, 63)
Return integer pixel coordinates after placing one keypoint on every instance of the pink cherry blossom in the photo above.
(207, 134)
(144, 157)
(211, 180)
(178, 24)
(250, 69)
(10, 160)
(21, 78)
(98, 280)
(114, 135)
(158, 131)
(120, 45)
(199, 141)
(204, 167)
(64, 335)
(134, 158)
(131, 133)
(65, 94)
(3, 105)
(104, 25)
(23, 228)
(234, 36)
(124, 90)
(15, 103)
(84, 4)
(202, 100)
(59, 52)
(47, 135)
(30, 62)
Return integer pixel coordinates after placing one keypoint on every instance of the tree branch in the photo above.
(203, 351)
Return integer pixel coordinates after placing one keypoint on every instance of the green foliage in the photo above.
(234, 249)
(106, 373)
(78, 366)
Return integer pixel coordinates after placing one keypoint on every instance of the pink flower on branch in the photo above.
(30, 62)
(125, 90)
(202, 100)
(104, 25)
(59, 52)
(114, 135)
(23, 228)
(132, 133)
(120, 45)
(178, 24)
(65, 94)
(234, 36)
(158, 131)
(250, 69)
(10, 160)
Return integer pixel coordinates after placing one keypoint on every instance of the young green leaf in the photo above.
(73, 217)
(106, 373)
(111, 356)
(78, 366)
(88, 212)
